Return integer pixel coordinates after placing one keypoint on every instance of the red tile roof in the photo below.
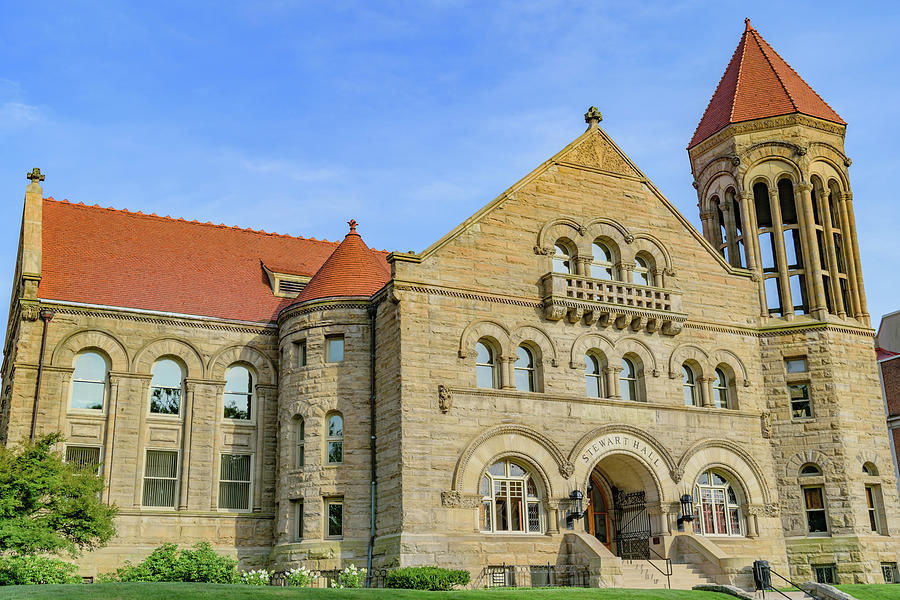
(758, 83)
(351, 270)
(119, 258)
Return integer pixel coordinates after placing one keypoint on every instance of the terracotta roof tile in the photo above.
(351, 270)
(119, 258)
(758, 83)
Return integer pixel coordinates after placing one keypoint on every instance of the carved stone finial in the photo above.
(696, 184)
(35, 176)
(847, 161)
(593, 117)
(735, 160)
(352, 223)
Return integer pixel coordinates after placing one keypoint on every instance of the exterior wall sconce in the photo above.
(576, 511)
(687, 509)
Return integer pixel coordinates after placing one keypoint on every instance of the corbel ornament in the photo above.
(575, 313)
(29, 311)
(677, 474)
(445, 398)
(566, 469)
(544, 250)
(766, 424)
(554, 312)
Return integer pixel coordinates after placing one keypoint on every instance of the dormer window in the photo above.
(285, 285)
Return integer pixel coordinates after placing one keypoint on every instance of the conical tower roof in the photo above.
(758, 83)
(351, 270)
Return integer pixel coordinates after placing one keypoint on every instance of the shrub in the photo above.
(200, 564)
(351, 577)
(255, 577)
(425, 578)
(31, 570)
(301, 577)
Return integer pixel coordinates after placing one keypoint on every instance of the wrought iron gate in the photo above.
(632, 525)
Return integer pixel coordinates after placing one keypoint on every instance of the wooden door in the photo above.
(598, 514)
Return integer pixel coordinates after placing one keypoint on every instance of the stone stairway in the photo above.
(641, 575)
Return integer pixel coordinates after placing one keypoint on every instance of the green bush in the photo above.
(351, 577)
(31, 570)
(200, 564)
(425, 578)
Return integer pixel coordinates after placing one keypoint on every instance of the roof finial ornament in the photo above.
(593, 117)
(747, 25)
(35, 176)
(352, 223)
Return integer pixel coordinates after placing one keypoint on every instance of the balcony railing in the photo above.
(612, 303)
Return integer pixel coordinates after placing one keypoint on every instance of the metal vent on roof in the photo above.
(290, 287)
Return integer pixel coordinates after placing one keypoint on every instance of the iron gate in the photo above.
(632, 525)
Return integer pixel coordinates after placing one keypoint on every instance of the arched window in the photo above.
(689, 386)
(870, 469)
(592, 376)
(510, 499)
(628, 380)
(334, 439)
(810, 470)
(524, 370)
(485, 365)
(720, 390)
(602, 265)
(642, 274)
(89, 381)
(299, 442)
(562, 260)
(717, 503)
(165, 387)
(238, 393)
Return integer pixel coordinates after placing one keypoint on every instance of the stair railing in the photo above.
(668, 572)
(789, 582)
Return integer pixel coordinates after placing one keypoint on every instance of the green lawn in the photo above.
(872, 592)
(203, 591)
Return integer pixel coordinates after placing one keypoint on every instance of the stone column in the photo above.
(186, 428)
(812, 264)
(836, 300)
(583, 265)
(552, 508)
(787, 305)
(659, 277)
(706, 218)
(854, 244)
(747, 203)
(507, 374)
(626, 271)
(612, 382)
(262, 401)
(141, 442)
(730, 234)
(706, 396)
(752, 516)
(851, 257)
(109, 435)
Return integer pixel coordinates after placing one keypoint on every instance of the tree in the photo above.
(48, 505)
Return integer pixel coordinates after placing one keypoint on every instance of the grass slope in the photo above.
(881, 591)
(204, 591)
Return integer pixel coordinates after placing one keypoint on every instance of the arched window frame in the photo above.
(563, 257)
(525, 372)
(721, 389)
(509, 497)
(298, 426)
(628, 380)
(602, 263)
(235, 395)
(162, 389)
(690, 386)
(643, 270)
(91, 385)
(334, 439)
(486, 369)
(718, 505)
(593, 374)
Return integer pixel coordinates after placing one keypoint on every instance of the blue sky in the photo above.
(408, 116)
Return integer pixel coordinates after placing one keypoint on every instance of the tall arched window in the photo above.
(485, 365)
(299, 434)
(511, 499)
(717, 503)
(524, 369)
(238, 393)
(602, 265)
(89, 381)
(720, 390)
(593, 377)
(334, 439)
(689, 386)
(562, 260)
(628, 380)
(766, 233)
(165, 387)
(642, 274)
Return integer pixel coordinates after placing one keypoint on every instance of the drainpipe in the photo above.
(46, 316)
(373, 311)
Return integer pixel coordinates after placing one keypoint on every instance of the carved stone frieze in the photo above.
(29, 311)
(455, 499)
(445, 398)
(600, 154)
(766, 424)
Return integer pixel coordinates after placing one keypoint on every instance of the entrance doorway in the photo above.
(620, 488)
(598, 512)
(632, 525)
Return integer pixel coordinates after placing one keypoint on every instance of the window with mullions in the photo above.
(298, 519)
(642, 274)
(524, 370)
(234, 482)
(84, 456)
(334, 517)
(89, 381)
(825, 574)
(873, 506)
(160, 478)
(814, 503)
(593, 377)
(890, 573)
(165, 387)
(718, 506)
(720, 390)
(335, 348)
(510, 500)
(601, 265)
(335, 440)
(485, 366)
(628, 380)
(562, 261)
(801, 406)
(238, 393)
(299, 432)
(689, 386)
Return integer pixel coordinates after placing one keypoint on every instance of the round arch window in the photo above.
(510, 499)
(717, 504)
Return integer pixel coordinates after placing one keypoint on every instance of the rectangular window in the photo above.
(798, 293)
(334, 515)
(801, 407)
(795, 365)
(234, 482)
(160, 478)
(825, 574)
(773, 296)
(792, 248)
(300, 353)
(335, 348)
(85, 456)
(814, 500)
(767, 252)
(889, 571)
(873, 507)
(298, 519)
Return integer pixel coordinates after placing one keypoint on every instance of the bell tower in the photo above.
(774, 194)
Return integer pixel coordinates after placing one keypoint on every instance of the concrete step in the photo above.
(642, 575)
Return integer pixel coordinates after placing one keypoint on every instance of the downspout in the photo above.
(373, 311)
(46, 315)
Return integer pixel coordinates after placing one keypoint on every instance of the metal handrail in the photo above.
(786, 580)
(669, 570)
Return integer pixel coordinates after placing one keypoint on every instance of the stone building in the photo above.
(573, 375)
(887, 349)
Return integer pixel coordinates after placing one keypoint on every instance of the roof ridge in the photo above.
(192, 221)
(718, 85)
(762, 49)
(742, 46)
